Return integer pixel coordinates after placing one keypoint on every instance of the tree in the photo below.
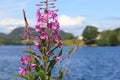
(108, 38)
(70, 36)
(113, 39)
(118, 34)
(104, 40)
(89, 35)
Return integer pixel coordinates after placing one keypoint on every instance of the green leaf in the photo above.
(51, 66)
(19, 76)
(61, 73)
(60, 53)
(50, 78)
(53, 62)
(54, 48)
(40, 74)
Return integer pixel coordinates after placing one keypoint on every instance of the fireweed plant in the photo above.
(39, 66)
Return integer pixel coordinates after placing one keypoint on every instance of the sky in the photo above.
(73, 15)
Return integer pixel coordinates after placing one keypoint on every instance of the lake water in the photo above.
(87, 63)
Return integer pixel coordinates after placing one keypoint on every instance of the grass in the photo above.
(72, 42)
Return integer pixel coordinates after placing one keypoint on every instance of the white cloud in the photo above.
(73, 25)
(7, 25)
(6, 22)
(7, 29)
(106, 26)
(67, 21)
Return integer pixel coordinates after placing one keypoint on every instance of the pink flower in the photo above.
(57, 58)
(48, 53)
(54, 15)
(43, 36)
(45, 16)
(57, 39)
(22, 71)
(59, 44)
(54, 25)
(26, 59)
(37, 45)
(38, 14)
(43, 29)
(37, 28)
(32, 65)
(55, 36)
(36, 57)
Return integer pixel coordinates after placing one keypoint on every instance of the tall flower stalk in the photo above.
(39, 66)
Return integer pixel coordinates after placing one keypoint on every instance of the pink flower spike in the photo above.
(57, 58)
(33, 65)
(36, 43)
(22, 71)
(38, 14)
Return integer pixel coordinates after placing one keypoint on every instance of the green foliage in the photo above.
(43, 71)
(70, 36)
(118, 37)
(104, 40)
(61, 73)
(10, 41)
(113, 38)
(89, 34)
(66, 36)
(108, 38)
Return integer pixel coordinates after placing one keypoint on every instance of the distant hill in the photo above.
(2, 35)
(14, 36)
(18, 32)
(66, 35)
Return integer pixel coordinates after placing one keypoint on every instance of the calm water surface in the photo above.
(88, 63)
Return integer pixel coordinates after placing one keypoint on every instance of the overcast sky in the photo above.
(74, 15)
